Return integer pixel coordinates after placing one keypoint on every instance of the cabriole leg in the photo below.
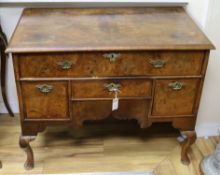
(188, 138)
(24, 143)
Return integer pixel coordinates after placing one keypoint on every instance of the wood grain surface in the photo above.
(175, 102)
(127, 110)
(52, 105)
(94, 64)
(142, 28)
(97, 89)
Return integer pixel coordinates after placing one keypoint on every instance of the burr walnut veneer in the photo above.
(71, 63)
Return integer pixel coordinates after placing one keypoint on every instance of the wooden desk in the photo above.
(71, 63)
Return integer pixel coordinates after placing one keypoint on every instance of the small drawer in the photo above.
(108, 88)
(175, 97)
(105, 64)
(174, 63)
(45, 100)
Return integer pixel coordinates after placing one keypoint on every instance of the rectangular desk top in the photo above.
(100, 29)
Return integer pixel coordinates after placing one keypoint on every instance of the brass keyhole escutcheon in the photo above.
(112, 56)
(112, 87)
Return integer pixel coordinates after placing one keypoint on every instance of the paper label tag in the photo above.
(115, 104)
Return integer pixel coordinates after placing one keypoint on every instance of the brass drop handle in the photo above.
(112, 87)
(65, 65)
(112, 56)
(158, 63)
(176, 85)
(44, 88)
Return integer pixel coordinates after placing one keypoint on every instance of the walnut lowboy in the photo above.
(72, 75)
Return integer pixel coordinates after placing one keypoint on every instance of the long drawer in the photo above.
(104, 64)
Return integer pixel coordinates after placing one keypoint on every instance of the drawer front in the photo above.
(108, 88)
(45, 100)
(111, 64)
(175, 63)
(101, 109)
(175, 97)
